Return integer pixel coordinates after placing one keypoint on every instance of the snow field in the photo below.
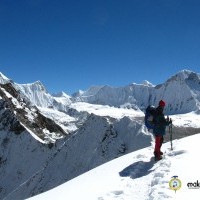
(137, 176)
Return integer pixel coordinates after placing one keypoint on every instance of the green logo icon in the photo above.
(175, 183)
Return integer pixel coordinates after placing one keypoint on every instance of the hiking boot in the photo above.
(158, 158)
(161, 153)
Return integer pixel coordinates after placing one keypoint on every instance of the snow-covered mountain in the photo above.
(42, 147)
(181, 92)
(46, 140)
(39, 96)
(26, 115)
(137, 176)
(3, 79)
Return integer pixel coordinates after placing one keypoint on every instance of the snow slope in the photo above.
(137, 176)
(105, 110)
(191, 119)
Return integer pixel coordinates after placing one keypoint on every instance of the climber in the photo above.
(159, 129)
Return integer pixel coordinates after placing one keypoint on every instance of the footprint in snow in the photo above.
(118, 192)
(159, 184)
(140, 156)
(176, 153)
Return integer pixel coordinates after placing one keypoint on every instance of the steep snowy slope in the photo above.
(96, 142)
(137, 176)
(3, 79)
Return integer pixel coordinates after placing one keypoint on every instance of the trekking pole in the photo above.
(170, 133)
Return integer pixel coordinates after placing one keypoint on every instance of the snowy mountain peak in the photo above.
(185, 71)
(194, 77)
(3, 79)
(38, 86)
(147, 83)
(181, 76)
(94, 90)
(36, 92)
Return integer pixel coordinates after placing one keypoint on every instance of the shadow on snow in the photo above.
(138, 169)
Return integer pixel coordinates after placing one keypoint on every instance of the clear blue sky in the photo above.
(73, 44)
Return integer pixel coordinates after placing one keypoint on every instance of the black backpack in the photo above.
(150, 117)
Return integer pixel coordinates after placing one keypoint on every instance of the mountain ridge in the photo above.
(181, 93)
(185, 84)
(66, 140)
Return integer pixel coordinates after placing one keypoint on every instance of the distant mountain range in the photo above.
(47, 139)
(181, 92)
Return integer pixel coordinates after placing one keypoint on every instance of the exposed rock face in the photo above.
(26, 115)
